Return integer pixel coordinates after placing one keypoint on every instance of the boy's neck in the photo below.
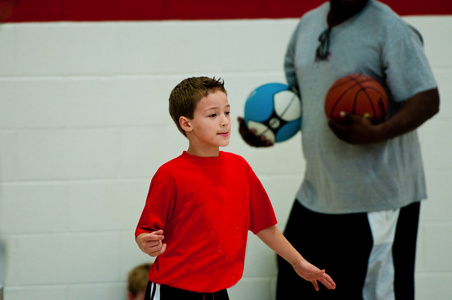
(203, 152)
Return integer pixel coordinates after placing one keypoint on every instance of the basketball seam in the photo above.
(287, 107)
(361, 88)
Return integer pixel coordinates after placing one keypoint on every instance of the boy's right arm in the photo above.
(151, 243)
(278, 243)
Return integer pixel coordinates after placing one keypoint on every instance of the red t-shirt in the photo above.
(205, 207)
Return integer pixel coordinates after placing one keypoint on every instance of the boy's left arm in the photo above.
(274, 239)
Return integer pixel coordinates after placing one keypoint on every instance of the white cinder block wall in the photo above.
(84, 126)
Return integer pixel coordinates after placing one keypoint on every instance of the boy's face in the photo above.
(210, 127)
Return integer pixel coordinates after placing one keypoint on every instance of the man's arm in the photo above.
(412, 114)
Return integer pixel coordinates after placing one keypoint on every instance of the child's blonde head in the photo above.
(137, 279)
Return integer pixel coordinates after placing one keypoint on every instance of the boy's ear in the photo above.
(130, 295)
(185, 124)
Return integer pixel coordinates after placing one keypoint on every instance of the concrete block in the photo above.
(282, 189)
(171, 47)
(420, 264)
(433, 285)
(8, 155)
(435, 48)
(34, 207)
(66, 49)
(111, 291)
(253, 289)
(94, 257)
(434, 138)
(438, 247)
(443, 77)
(37, 259)
(36, 292)
(247, 51)
(84, 125)
(60, 154)
(438, 205)
(63, 258)
(260, 260)
(105, 205)
(8, 48)
(286, 158)
(144, 150)
(33, 103)
(116, 101)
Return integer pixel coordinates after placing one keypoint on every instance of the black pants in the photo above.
(170, 293)
(341, 244)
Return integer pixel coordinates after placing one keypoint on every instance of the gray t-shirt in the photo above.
(345, 178)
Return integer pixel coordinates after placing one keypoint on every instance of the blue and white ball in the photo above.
(274, 111)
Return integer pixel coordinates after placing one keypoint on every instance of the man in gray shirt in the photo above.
(363, 182)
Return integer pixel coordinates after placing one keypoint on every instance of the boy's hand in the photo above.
(273, 238)
(313, 274)
(152, 243)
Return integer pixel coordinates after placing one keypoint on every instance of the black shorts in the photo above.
(164, 292)
(371, 254)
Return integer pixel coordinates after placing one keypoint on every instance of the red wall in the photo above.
(133, 10)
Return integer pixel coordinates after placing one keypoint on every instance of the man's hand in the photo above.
(355, 129)
(250, 137)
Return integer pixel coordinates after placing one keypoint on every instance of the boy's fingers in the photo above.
(159, 251)
(163, 249)
(316, 285)
(156, 235)
(329, 283)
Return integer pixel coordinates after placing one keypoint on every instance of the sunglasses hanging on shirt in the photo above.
(324, 47)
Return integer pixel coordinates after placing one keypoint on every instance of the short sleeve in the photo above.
(156, 212)
(406, 66)
(289, 61)
(261, 213)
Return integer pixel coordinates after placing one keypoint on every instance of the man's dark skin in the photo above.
(357, 129)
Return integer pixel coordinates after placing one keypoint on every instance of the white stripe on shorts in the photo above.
(379, 283)
(156, 293)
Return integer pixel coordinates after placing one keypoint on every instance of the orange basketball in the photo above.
(357, 94)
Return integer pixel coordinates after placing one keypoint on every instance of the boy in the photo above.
(201, 205)
(137, 280)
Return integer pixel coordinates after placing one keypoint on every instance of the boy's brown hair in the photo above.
(137, 279)
(186, 95)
